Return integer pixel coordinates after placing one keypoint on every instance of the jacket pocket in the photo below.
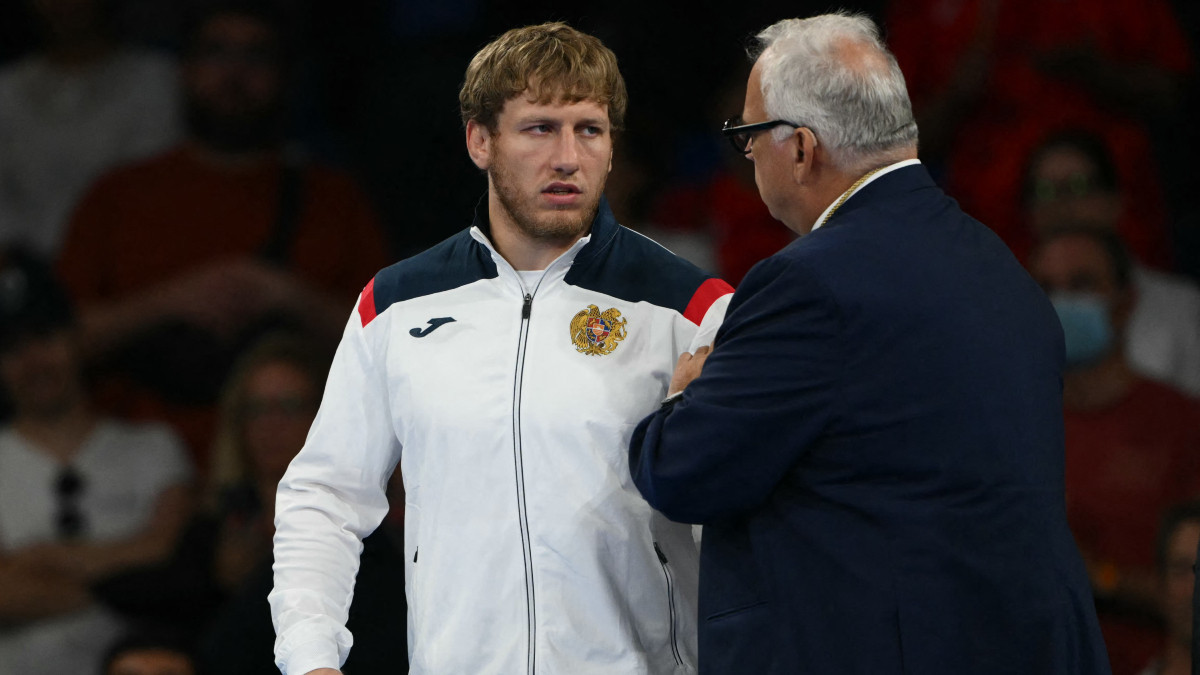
(672, 610)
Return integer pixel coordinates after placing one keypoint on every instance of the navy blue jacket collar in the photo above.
(885, 188)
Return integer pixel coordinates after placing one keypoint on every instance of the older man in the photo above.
(875, 444)
(504, 370)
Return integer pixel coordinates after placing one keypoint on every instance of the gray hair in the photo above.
(857, 107)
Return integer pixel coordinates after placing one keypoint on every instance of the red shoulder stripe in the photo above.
(708, 293)
(366, 304)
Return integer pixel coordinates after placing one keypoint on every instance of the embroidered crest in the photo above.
(597, 333)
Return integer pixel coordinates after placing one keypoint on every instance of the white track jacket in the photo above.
(509, 407)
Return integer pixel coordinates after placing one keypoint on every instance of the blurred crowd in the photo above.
(193, 193)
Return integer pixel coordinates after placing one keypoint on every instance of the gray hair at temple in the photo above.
(834, 75)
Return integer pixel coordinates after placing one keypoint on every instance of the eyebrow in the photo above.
(554, 121)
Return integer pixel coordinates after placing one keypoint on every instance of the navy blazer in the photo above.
(875, 448)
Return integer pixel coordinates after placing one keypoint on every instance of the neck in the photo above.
(1099, 386)
(825, 194)
(522, 251)
(60, 434)
(827, 183)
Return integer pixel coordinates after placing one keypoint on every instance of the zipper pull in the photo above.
(527, 308)
(661, 558)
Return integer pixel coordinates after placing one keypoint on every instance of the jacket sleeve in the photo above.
(330, 498)
(706, 331)
(769, 389)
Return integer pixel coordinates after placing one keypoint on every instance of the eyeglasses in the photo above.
(68, 487)
(739, 134)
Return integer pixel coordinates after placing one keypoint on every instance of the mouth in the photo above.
(562, 195)
(562, 189)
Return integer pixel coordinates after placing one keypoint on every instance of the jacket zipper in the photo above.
(662, 559)
(519, 468)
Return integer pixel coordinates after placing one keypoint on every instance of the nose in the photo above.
(566, 153)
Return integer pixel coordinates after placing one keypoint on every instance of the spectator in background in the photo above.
(1178, 538)
(149, 653)
(1132, 445)
(1070, 181)
(265, 412)
(80, 105)
(179, 261)
(990, 78)
(81, 497)
(726, 206)
(264, 415)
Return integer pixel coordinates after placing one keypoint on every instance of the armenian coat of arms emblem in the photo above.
(597, 333)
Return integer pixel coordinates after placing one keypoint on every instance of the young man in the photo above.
(503, 370)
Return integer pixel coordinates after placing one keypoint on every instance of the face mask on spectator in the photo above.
(1087, 327)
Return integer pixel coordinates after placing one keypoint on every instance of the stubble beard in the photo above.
(557, 226)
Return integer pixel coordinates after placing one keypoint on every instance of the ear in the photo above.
(804, 151)
(479, 144)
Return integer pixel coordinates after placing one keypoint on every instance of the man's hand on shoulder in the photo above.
(688, 368)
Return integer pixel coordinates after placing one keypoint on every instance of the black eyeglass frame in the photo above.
(739, 135)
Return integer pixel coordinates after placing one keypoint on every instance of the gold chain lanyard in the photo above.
(846, 195)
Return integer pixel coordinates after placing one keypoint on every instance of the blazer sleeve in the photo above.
(330, 498)
(767, 392)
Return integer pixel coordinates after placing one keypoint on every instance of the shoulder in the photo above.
(633, 267)
(138, 174)
(128, 186)
(1156, 286)
(1164, 396)
(455, 262)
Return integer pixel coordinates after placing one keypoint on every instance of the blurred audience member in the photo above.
(180, 260)
(1132, 445)
(1178, 539)
(1071, 181)
(265, 413)
(990, 78)
(72, 110)
(149, 653)
(725, 206)
(81, 497)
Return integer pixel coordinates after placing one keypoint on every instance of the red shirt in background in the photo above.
(1022, 104)
(743, 230)
(1125, 466)
(141, 225)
